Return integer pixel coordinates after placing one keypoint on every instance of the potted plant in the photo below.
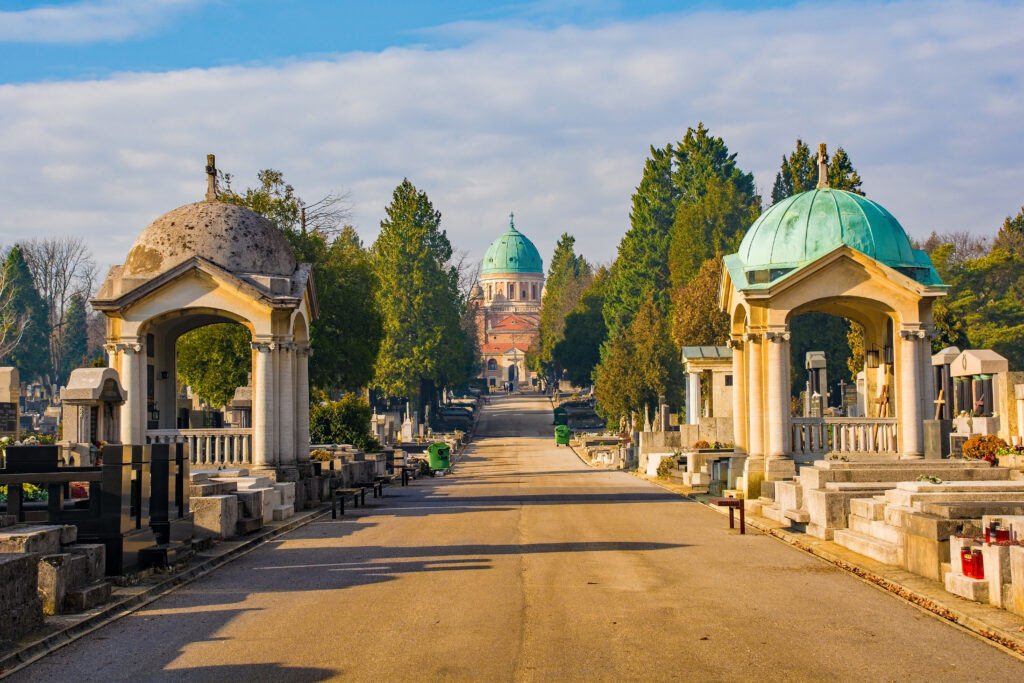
(983, 447)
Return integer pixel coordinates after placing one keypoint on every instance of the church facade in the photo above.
(507, 301)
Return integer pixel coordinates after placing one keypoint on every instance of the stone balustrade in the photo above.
(229, 446)
(868, 435)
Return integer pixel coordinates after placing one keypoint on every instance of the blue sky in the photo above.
(162, 35)
(548, 108)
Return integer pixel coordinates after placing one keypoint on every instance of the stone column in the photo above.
(263, 451)
(693, 408)
(285, 394)
(739, 398)
(753, 467)
(302, 354)
(911, 418)
(133, 411)
(780, 462)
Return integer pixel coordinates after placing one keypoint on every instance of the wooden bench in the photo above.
(339, 495)
(733, 504)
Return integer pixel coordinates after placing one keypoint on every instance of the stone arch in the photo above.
(206, 263)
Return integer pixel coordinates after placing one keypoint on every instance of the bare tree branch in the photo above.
(60, 267)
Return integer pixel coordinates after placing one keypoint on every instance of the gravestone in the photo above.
(10, 394)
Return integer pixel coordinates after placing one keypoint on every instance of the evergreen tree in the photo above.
(32, 355)
(699, 158)
(424, 345)
(1010, 237)
(697, 320)
(74, 339)
(799, 173)
(568, 276)
(710, 224)
(842, 175)
(641, 364)
(641, 267)
(579, 351)
(820, 332)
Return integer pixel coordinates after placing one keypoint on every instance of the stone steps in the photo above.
(283, 512)
(86, 597)
(868, 508)
(249, 524)
(877, 529)
(879, 550)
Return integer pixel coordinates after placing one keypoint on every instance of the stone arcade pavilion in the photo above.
(203, 263)
(828, 251)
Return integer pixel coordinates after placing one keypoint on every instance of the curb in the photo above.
(36, 650)
(1008, 641)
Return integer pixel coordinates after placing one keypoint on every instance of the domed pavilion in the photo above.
(204, 263)
(828, 251)
(508, 306)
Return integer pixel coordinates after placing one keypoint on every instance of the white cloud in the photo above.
(88, 21)
(554, 124)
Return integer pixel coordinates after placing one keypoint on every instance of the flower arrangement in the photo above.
(701, 444)
(983, 447)
(30, 492)
(320, 455)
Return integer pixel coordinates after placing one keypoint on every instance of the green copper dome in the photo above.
(801, 229)
(513, 252)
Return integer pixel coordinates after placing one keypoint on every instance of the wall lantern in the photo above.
(888, 354)
(871, 358)
(154, 415)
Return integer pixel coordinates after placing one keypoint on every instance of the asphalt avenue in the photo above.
(527, 565)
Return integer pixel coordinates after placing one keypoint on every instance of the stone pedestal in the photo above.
(936, 438)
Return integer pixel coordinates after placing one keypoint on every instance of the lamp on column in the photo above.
(871, 358)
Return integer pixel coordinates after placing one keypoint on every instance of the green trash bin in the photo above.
(562, 435)
(561, 416)
(439, 456)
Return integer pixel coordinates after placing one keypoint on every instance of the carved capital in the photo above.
(913, 333)
(262, 346)
(752, 337)
(777, 337)
(123, 347)
(304, 350)
(736, 343)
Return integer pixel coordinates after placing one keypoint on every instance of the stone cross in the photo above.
(511, 219)
(211, 178)
(822, 166)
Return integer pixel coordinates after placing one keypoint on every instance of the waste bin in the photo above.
(439, 456)
(562, 435)
(561, 416)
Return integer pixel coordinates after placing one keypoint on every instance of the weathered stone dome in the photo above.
(231, 236)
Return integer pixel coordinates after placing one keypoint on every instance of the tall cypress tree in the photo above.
(32, 355)
(641, 267)
(74, 339)
(568, 275)
(423, 346)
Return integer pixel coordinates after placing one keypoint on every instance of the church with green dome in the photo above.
(508, 307)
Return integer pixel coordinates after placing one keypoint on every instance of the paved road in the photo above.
(526, 565)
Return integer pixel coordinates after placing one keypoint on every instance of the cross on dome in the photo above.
(211, 178)
(822, 166)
